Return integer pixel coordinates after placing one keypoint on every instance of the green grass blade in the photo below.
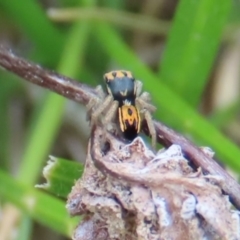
(49, 119)
(192, 46)
(171, 108)
(42, 207)
(21, 12)
(128, 20)
(221, 118)
(41, 138)
(61, 175)
(8, 88)
(25, 228)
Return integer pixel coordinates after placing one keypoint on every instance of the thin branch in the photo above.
(167, 137)
(121, 18)
(51, 80)
(82, 93)
(132, 21)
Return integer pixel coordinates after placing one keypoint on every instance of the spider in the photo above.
(125, 100)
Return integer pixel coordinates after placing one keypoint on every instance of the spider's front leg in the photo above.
(151, 127)
(111, 112)
(100, 108)
(138, 88)
(108, 122)
(146, 110)
(143, 103)
(143, 99)
(94, 102)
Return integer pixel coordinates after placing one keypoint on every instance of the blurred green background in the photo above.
(186, 53)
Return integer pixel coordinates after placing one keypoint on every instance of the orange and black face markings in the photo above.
(117, 74)
(121, 85)
(129, 120)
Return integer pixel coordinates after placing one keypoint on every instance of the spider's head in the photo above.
(120, 84)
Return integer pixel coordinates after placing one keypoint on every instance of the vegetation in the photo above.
(184, 81)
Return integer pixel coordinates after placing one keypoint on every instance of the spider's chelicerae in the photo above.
(125, 100)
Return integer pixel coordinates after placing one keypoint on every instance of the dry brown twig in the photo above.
(82, 93)
(128, 192)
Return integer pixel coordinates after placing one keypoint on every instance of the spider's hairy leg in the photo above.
(151, 127)
(110, 114)
(138, 87)
(143, 102)
(145, 96)
(100, 108)
(100, 92)
(95, 101)
(89, 107)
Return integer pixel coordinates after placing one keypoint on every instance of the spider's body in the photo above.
(129, 120)
(122, 86)
(124, 100)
